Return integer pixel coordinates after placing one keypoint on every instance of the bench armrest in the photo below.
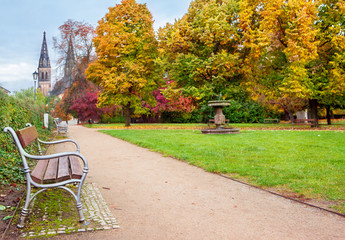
(61, 141)
(56, 155)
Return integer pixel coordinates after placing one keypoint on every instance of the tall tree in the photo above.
(78, 36)
(285, 40)
(202, 49)
(75, 49)
(126, 49)
(329, 69)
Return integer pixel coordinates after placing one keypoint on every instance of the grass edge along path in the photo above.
(301, 164)
(336, 125)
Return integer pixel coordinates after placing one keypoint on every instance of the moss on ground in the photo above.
(52, 211)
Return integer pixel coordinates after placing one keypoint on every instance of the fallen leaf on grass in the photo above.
(7, 217)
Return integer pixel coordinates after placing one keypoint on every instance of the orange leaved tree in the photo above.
(125, 68)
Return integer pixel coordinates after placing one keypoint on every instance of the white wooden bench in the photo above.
(51, 171)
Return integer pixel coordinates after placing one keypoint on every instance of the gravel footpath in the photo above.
(157, 197)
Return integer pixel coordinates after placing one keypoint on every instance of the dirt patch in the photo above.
(10, 197)
(317, 202)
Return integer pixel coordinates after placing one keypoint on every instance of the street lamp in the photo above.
(35, 77)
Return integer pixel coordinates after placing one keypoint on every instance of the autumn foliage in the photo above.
(287, 54)
(86, 108)
(201, 50)
(80, 35)
(75, 50)
(126, 49)
(296, 49)
(175, 104)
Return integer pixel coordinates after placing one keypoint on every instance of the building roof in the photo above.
(5, 90)
(44, 58)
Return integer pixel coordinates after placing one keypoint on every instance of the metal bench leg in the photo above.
(80, 211)
(77, 199)
(79, 204)
(25, 210)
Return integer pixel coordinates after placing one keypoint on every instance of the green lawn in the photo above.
(309, 163)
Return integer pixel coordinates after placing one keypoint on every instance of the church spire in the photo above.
(44, 69)
(70, 60)
(44, 58)
(69, 64)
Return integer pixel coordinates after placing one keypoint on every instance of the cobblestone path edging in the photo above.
(97, 214)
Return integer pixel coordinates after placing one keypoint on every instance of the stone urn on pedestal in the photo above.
(219, 119)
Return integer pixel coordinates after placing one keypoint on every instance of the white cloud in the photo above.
(13, 72)
(15, 77)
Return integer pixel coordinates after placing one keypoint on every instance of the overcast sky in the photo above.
(22, 23)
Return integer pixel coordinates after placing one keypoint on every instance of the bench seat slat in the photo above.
(57, 170)
(76, 170)
(63, 171)
(51, 172)
(39, 171)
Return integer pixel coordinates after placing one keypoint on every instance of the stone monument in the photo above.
(219, 119)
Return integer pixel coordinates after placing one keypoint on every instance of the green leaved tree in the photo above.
(125, 68)
(201, 50)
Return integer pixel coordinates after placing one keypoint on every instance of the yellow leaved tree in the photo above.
(295, 49)
(126, 49)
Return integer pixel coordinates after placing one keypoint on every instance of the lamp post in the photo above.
(35, 77)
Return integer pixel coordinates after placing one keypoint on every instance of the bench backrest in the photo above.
(27, 135)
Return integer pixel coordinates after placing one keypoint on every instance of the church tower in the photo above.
(44, 69)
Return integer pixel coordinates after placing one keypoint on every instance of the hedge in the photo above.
(16, 111)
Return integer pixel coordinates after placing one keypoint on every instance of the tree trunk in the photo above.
(313, 111)
(291, 116)
(328, 115)
(128, 115)
(286, 115)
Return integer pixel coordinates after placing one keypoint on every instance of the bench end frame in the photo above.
(62, 184)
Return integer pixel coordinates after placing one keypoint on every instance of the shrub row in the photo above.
(237, 112)
(16, 111)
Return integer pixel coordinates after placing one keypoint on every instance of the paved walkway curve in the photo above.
(156, 197)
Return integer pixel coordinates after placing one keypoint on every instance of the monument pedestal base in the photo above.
(220, 131)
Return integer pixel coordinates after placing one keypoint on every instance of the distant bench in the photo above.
(51, 171)
(60, 127)
(311, 122)
(269, 120)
